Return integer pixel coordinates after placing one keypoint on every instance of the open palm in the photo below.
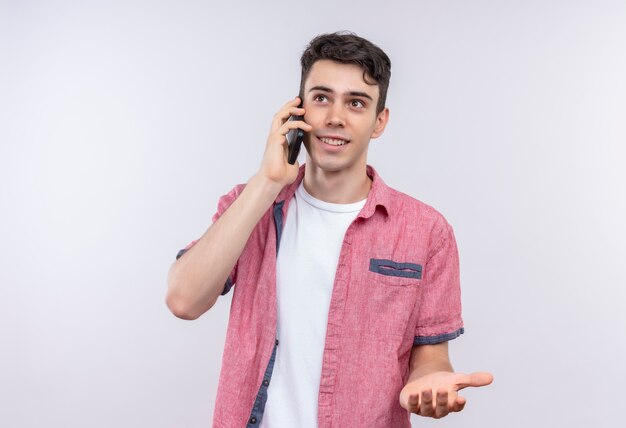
(436, 394)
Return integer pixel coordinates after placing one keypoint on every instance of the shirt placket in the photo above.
(258, 407)
(332, 346)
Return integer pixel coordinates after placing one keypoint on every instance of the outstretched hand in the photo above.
(436, 394)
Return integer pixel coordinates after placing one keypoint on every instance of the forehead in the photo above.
(341, 78)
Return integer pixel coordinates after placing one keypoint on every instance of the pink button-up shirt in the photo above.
(396, 286)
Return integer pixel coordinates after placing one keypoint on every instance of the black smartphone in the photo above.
(294, 140)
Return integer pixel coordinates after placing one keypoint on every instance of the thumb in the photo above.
(476, 379)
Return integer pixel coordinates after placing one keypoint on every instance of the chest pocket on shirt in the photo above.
(396, 273)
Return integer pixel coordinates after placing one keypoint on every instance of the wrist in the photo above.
(265, 187)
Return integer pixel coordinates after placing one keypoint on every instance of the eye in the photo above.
(320, 98)
(357, 104)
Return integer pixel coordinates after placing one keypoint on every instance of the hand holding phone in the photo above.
(294, 139)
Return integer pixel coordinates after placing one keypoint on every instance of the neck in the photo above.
(337, 187)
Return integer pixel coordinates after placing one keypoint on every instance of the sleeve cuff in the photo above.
(440, 338)
(227, 286)
(180, 253)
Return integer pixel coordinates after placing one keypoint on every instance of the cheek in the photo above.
(312, 117)
(365, 127)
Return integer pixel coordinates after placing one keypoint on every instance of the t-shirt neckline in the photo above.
(328, 206)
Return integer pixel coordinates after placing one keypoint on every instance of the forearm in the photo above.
(423, 369)
(196, 280)
(427, 359)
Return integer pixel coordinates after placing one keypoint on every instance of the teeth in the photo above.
(333, 142)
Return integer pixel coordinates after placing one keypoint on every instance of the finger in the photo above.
(284, 115)
(278, 136)
(441, 408)
(475, 379)
(426, 403)
(458, 404)
(413, 403)
(293, 124)
(288, 109)
(452, 397)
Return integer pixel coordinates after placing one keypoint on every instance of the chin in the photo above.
(328, 165)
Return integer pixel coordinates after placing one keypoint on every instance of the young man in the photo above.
(347, 291)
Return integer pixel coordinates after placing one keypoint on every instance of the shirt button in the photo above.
(252, 420)
(276, 342)
(266, 382)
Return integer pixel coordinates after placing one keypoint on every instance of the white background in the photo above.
(122, 122)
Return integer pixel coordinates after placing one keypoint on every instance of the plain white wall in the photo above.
(122, 122)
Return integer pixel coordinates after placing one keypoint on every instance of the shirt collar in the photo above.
(379, 194)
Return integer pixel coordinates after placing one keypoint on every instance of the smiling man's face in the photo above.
(341, 108)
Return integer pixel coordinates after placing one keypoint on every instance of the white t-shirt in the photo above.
(305, 272)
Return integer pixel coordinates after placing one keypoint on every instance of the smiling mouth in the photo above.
(333, 141)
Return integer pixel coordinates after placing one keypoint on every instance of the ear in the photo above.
(381, 122)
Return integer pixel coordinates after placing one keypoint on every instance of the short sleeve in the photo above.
(222, 205)
(439, 316)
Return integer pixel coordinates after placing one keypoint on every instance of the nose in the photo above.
(335, 116)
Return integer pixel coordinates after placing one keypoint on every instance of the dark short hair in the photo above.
(348, 48)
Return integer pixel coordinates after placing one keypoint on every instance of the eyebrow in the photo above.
(351, 93)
